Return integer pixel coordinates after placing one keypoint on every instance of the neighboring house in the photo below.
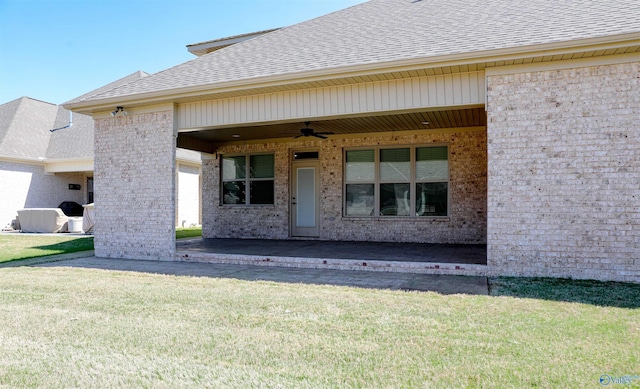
(38, 166)
(41, 168)
(514, 124)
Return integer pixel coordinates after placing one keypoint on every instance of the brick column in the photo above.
(135, 186)
(564, 173)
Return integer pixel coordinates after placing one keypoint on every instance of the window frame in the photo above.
(377, 182)
(247, 179)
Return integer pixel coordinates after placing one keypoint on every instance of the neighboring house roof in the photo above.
(25, 133)
(24, 128)
(77, 141)
(207, 47)
(26, 124)
(379, 33)
(72, 142)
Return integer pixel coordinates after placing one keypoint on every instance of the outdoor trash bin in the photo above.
(75, 224)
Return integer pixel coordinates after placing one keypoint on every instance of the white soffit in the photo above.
(441, 91)
(68, 166)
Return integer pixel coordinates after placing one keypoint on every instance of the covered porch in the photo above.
(400, 159)
(425, 258)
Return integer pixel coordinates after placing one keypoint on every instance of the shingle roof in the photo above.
(73, 142)
(384, 31)
(113, 85)
(26, 124)
(207, 47)
(24, 128)
(25, 131)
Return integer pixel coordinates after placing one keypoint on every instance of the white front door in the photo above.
(304, 199)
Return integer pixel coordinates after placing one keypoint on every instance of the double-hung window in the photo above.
(248, 179)
(399, 181)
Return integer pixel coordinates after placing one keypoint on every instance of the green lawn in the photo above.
(18, 246)
(64, 327)
(190, 232)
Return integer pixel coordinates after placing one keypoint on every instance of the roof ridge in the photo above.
(20, 101)
(28, 98)
(39, 117)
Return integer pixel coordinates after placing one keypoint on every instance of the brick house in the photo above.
(37, 165)
(46, 154)
(514, 124)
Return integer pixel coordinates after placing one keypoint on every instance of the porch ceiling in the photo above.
(469, 117)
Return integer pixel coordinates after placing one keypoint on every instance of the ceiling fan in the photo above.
(306, 131)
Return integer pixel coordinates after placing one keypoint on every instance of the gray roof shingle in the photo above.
(24, 128)
(73, 142)
(26, 124)
(382, 31)
(112, 85)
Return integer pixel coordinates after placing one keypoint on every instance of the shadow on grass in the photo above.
(606, 294)
(44, 251)
(70, 246)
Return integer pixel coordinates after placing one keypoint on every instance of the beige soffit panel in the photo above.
(365, 125)
(68, 165)
(447, 90)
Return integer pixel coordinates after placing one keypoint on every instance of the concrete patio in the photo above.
(421, 258)
(443, 284)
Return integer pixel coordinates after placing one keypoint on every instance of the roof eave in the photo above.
(466, 58)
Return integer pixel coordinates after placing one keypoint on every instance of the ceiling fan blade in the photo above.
(298, 136)
(319, 135)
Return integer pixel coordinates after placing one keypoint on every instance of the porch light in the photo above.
(236, 135)
(426, 123)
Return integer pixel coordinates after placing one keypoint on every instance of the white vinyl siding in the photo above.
(446, 90)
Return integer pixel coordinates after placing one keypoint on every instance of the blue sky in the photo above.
(56, 50)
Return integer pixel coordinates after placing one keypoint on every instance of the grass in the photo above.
(66, 327)
(18, 246)
(611, 294)
(190, 232)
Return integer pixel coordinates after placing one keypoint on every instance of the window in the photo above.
(247, 183)
(302, 155)
(399, 181)
(89, 190)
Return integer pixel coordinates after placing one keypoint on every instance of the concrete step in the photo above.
(335, 263)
